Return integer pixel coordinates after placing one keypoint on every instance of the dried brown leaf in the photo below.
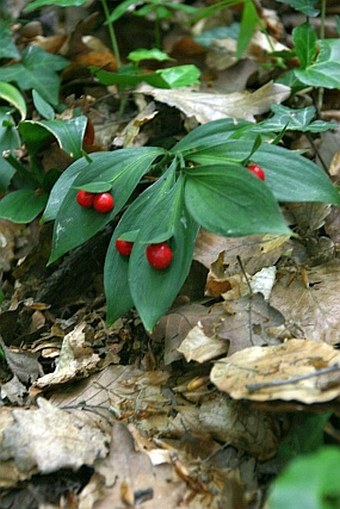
(206, 107)
(292, 371)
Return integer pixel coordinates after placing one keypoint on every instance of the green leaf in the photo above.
(325, 71)
(42, 106)
(172, 77)
(307, 7)
(7, 47)
(148, 54)
(310, 481)
(9, 140)
(121, 9)
(62, 187)
(96, 187)
(36, 4)
(37, 70)
(123, 168)
(228, 200)
(68, 134)
(14, 97)
(153, 291)
(249, 21)
(290, 176)
(116, 281)
(304, 38)
(22, 206)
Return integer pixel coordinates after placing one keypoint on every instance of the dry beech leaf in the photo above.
(292, 371)
(314, 310)
(46, 439)
(199, 347)
(206, 106)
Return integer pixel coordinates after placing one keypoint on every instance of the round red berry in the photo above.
(257, 171)
(103, 202)
(85, 199)
(159, 255)
(124, 247)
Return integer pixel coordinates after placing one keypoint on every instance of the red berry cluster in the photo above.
(101, 202)
(158, 255)
(257, 171)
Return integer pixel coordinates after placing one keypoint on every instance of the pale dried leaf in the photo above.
(292, 371)
(314, 310)
(206, 107)
(199, 347)
(48, 439)
(24, 365)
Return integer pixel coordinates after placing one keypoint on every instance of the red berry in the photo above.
(257, 170)
(85, 199)
(124, 247)
(159, 255)
(103, 202)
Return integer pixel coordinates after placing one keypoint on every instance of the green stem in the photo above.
(322, 36)
(113, 38)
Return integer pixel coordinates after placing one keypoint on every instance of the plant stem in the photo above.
(113, 38)
(322, 36)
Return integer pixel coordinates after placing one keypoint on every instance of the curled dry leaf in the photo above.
(206, 107)
(295, 370)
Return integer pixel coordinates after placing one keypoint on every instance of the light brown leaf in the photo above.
(292, 371)
(206, 107)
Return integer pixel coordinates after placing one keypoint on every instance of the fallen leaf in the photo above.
(199, 347)
(292, 371)
(206, 107)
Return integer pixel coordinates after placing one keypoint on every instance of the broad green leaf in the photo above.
(209, 135)
(36, 4)
(325, 71)
(148, 54)
(37, 70)
(292, 120)
(116, 281)
(121, 9)
(304, 38)
(290, 176)
(14, 97)
(228, 200)
(9, 140)
(173, 77)
(153, 291)
(96, 187)
(68, 134)
(124, 168)
(22, 206)
(42, 106)
(62, 187)
(7, 47)
(307, 7)
(249, 21)
(310, 481)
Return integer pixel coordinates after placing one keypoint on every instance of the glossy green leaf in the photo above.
(148, 54)
(228, 200)
(304, 38)
(153, 291)
(116, 280)
(38, 70)
(325, 71)
(290, 176)
(36, 4)
(7, 47)
(310, 481)
(22, 206)
(68, 134)
(292, 120)
(12, 95)
(42, 106)
(123, 168)
(121, 9)
(96, 187)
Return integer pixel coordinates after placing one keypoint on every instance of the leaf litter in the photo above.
(188, 415)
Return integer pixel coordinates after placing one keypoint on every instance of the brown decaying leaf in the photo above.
(206, 107)
(314, 310)
(292, 371)
(46, 439)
